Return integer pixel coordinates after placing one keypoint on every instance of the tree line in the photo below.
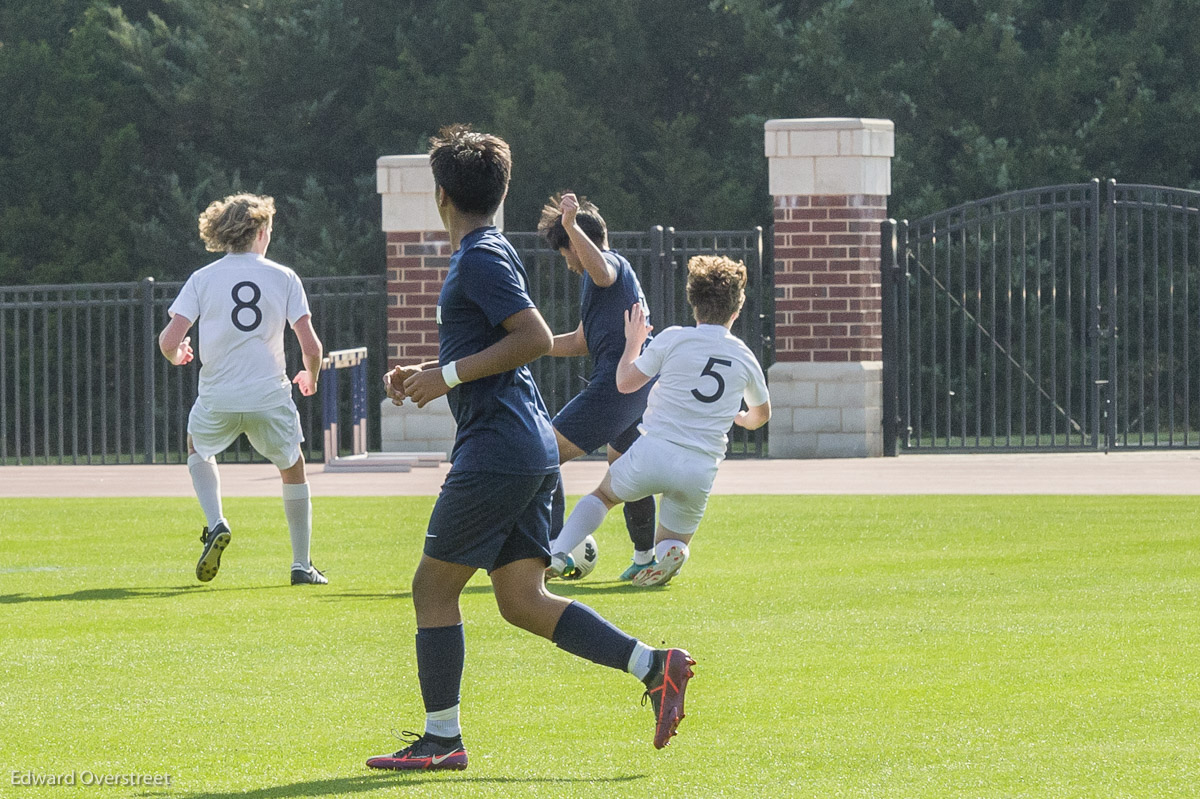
(122, 120)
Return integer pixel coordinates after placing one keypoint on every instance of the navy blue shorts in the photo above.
(488, 520)
(601, 415)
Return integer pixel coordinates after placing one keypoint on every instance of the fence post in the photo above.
(658, 293)
(903, 335)
(1111, 332)
(889, 278)
(148, 363)
(1095, 334)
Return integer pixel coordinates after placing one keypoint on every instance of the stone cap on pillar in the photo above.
(830, 156)
(406, 185)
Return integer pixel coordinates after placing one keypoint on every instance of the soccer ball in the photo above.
(585, 556)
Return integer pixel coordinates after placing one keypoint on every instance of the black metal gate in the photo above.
(1061, 317)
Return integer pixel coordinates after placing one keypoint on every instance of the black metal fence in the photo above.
(1055, 318)
(82, 381)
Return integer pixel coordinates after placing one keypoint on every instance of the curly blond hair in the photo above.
(231, 224)
(716, 288)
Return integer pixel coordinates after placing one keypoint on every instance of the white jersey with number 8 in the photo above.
(704, 372)
(243, 303)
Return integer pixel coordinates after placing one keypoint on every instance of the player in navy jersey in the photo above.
(493, 511)
(599, 414)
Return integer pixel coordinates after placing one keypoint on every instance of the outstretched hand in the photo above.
(304, 380)
(636, 326)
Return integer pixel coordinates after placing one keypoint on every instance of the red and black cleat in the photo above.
(427, 752)
(665, 687)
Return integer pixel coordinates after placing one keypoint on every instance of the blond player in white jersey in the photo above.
(243, 303)
(704, 373)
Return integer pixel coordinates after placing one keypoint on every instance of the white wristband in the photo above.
(450, 374)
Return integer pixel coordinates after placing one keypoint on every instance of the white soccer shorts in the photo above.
(683, 476)
(274, 433)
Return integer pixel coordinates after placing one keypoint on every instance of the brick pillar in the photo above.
(418, 255)
(830, 180)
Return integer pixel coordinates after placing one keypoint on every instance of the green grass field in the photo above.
(847, 647)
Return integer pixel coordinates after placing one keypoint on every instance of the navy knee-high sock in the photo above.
(558, 510)
(441, 652)
(639, 518)
(585, 633)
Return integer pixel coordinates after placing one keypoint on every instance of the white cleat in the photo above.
(662, 572)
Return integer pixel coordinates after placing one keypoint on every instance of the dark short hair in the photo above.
(472, 168)
(588, 218)
(716, 288)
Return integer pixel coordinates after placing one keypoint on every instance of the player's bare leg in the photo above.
(523, 599)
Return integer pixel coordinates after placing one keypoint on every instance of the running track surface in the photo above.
(1174, 472)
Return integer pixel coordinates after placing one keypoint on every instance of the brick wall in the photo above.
(416, 265)
(827, 291)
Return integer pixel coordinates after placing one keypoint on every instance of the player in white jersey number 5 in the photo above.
(243, 303)
(704, 373)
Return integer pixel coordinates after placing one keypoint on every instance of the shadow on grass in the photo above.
(590, 587)
(374, 782)
(330, 596)
(105, 594)
(567, 589)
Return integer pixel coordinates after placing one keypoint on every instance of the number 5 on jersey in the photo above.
(708, 371)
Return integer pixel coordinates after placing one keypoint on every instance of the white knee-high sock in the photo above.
(297, 507)
(585, 519)
(206, 481)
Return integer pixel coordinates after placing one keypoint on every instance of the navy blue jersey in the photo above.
(502, 422)
(603, 313)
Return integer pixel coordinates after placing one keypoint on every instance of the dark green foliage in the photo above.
(122, 121)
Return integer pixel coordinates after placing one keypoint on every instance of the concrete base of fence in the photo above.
(826, 410)
(407, 428)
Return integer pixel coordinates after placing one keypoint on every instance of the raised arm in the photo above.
(174, 342)
(629, 377)
(311, 352)
(599, 270)
(527, 338)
